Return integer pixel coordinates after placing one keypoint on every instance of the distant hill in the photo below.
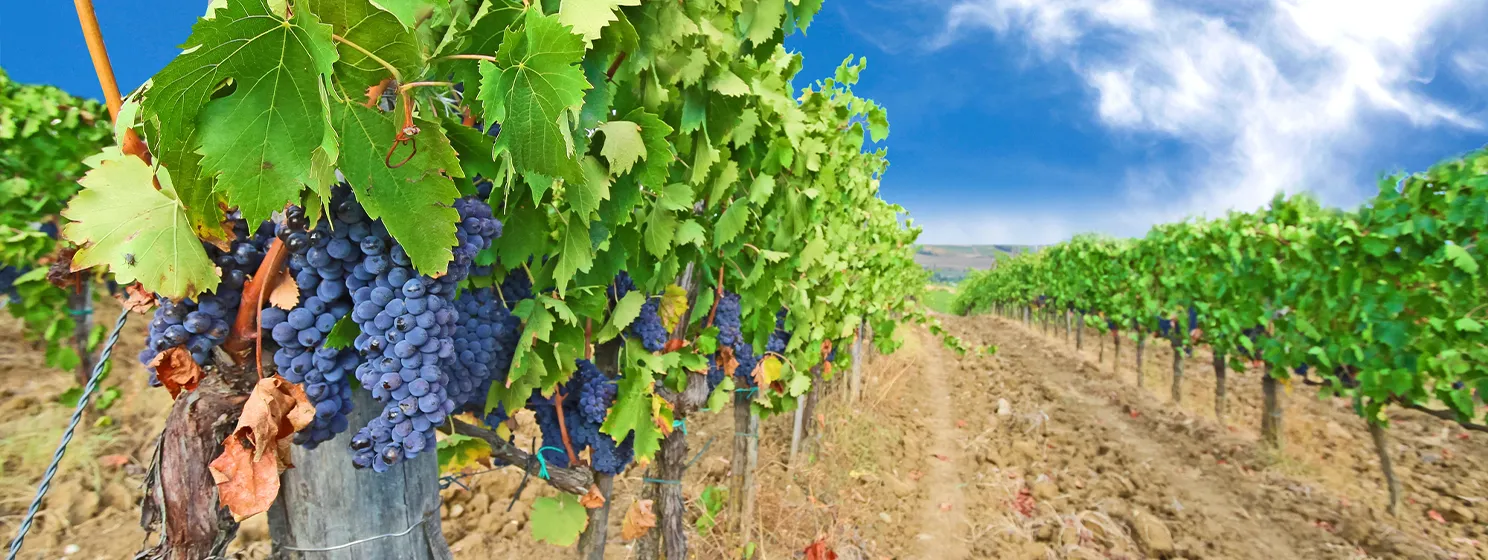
(949, 263)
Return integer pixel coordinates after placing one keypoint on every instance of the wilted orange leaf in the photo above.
(727, 361)
(1437, 517)
(275, 410)
(638, 520)
(247, 487)
(113, 460)
(248, 479)
(593, 499)
(673, 345)
(176, 370)
(136, 298)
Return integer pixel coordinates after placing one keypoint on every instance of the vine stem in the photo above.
(391, 70)
(93, 36)
(610, 73)
(410, 85)
(573, 458)
(718, 296)
(253, 294)
(486, 58)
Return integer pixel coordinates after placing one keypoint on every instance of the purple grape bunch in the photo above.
(205, 323)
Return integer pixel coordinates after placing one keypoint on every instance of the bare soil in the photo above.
(1038, 451)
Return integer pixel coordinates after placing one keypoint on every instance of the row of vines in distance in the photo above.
(44, 136)
(1383, 305)
(611, 212)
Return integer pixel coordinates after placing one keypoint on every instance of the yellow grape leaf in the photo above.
(768, 371)
(140, 233)
(673, 304)
(459, 452)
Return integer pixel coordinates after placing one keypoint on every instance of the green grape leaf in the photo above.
(475, 149)
(458, 452)
(371, 28)
(766, 20)
(691, 232)
(761, 189)
(589, 17)
(625, 313)
(524, 234)
(631, 413)
(661, 231)
(558, 521)
(585, 197)
(411, 12)
(258, 140)
(1462, 259)
(531, 91)
(343, 334)
(576, 254)
(878, 124)
(141, 234)
(658, 158)
(623, 145)
(415, 200)
(1468, 324)
(734, 219)
(728, 83)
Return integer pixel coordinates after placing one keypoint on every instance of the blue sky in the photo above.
(1026, 121)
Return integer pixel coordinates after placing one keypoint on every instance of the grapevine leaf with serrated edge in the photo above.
(538, 80)
(558, 520)
(413, 200)
(589, 17)
(141, 234)
(257, 140)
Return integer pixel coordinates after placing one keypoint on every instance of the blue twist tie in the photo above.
(680, 424)
(543, 461)
(750, 390)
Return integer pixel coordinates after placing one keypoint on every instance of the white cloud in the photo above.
(1269, 95)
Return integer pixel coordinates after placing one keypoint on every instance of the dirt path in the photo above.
(1185, 486)
(942, 521)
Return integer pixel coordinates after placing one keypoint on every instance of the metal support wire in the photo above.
(77, 416)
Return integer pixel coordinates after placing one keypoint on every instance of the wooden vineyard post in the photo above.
(80, 302)
(746, 457)
(1219, 386)
(1141, 343)
(1115, 350)
(796, 429)
(669, 538)
(1079, 331)
(1177, 390)
(855, 385)
(1271, 416)
(1382, 448)
(324, 504)
(592, 541)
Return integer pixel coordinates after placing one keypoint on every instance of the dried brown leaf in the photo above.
(136, 298)
(275, 410)
(727, 360)
(247, 486)
(176, 370)
(638, 520)
(286, 294)
(593, 499)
